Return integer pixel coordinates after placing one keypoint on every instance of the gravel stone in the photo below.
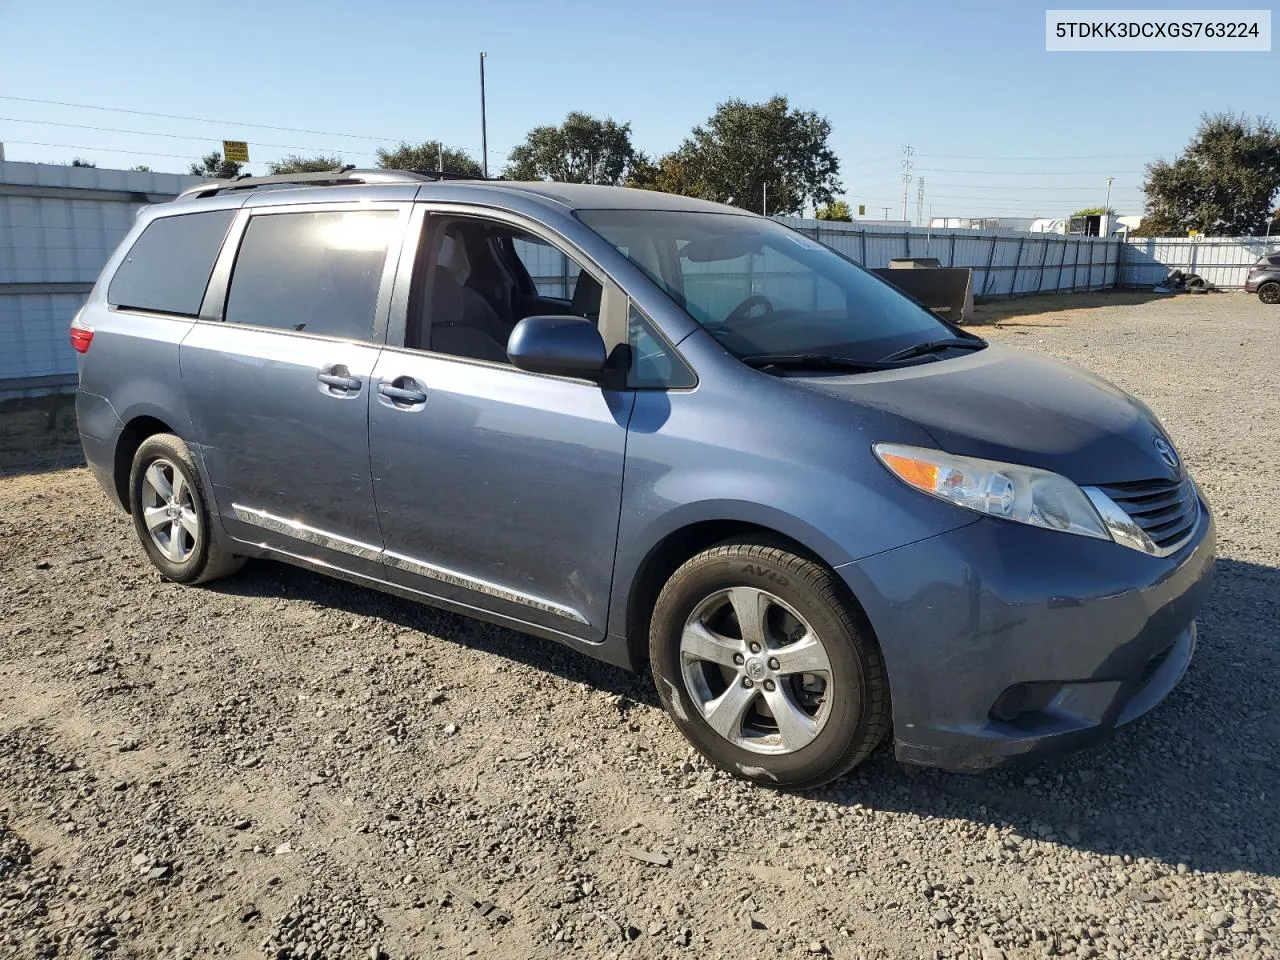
(318, 713)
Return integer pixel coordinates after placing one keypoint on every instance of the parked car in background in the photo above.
(818, 512)
(1264, 279)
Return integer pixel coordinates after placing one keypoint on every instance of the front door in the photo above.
(495, 488)
(279, 388)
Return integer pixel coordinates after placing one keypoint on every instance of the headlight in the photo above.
(1005, 490)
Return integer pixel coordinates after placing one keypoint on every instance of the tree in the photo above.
(77, 162)
(141, 168)
(580, 150)
(667, 175)
(1222, 184)
(835, 210)
(295, 163)
(427, 156)
(746, 149)
(214, 167)
(1095, 212)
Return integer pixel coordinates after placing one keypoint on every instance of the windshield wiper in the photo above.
(816, 361)
(935, 346)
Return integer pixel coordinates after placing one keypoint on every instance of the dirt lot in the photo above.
(288, 766)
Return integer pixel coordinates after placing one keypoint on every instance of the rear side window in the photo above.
(168, 266)
(312, 272)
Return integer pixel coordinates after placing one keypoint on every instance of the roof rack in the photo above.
(339, 176)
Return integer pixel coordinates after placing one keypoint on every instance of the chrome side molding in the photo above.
(300, 531)
(452, 577)
(367, 551)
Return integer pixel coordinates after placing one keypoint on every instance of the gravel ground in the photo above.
(286, 766)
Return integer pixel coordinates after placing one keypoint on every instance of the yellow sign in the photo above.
(862, 209)
(1193, 233)
(237, 151)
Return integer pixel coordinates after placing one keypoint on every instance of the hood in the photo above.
(1003, 404)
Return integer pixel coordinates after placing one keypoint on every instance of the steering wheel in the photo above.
(746, 306)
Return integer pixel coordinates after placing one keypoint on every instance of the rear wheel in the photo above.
(170, 513)
(765, 666)
(1269, 292)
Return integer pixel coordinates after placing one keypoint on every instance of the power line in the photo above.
(1056, 156)
(177, 136)
(80, 146)
(1032, 173)
(178, 116)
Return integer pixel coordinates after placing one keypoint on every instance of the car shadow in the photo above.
(268, 578)
(1196, 782)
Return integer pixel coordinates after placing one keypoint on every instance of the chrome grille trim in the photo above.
(1157, 517)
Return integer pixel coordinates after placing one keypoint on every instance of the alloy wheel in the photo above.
(169, 511)
(756, 670)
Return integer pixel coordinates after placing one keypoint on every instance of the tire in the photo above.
(705, 668)
(1269, 292)
(170, 513)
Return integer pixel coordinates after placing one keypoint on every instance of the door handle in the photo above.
(338, 377)
(403, 390)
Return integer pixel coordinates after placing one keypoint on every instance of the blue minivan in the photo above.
(658, 430)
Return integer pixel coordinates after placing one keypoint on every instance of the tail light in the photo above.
(81, 336)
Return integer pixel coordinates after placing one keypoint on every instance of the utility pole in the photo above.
(907, 151)
(439, 156)
(1107, 205)
(920, 202)
(484, 128)
(764, 207)
(886, 213)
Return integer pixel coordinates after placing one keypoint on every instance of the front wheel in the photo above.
(766, 667)
(1269, 292)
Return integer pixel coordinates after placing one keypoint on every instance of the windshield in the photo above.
(760, 288)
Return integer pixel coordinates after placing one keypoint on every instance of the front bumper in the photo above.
(1003, 640)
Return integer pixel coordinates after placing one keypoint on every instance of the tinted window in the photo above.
(551, 271)
(168, 266)
(313, 272)
(759, 288)
(653, 362)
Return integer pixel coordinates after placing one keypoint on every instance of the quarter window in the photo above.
(312, 272)
(653, 362)
(168, 266)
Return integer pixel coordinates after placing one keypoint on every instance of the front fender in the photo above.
(821, 486)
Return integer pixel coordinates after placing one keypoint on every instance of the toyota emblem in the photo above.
(1166, 451)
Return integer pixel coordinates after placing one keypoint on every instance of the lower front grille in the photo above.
(1166, 510)
(1154, 664)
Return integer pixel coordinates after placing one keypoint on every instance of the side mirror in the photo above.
(565, 346)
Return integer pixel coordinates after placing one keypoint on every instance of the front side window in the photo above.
(553, 274)
(168, 267)
(312, 272)
(476, 279)
(762, 289)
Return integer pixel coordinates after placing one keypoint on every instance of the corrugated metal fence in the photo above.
(1005, 263)
(1223, 261)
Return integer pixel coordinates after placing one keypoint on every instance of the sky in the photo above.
(998, 126)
